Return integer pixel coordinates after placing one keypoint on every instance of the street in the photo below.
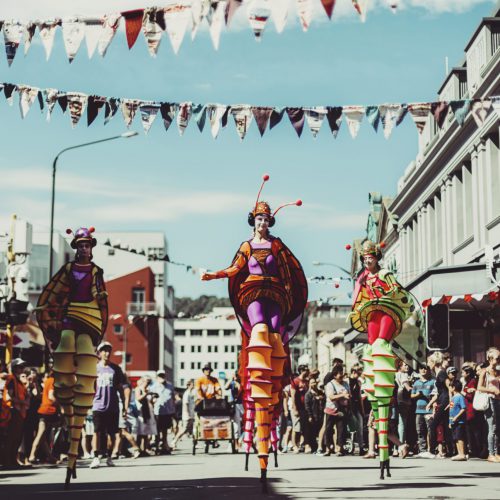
(222, 475)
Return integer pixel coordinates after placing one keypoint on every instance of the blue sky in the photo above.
(199, 190)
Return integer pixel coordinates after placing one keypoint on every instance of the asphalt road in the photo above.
(220, 475)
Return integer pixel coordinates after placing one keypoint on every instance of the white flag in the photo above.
(47, 30)
(480, 110)
(50, 98)
(152, 30)
(243, 116)
(389, 114)
(13, 33)
(93, 32)
(215, 112)
(216, 20)
(73, 34)
(314, 118)
(27, 96)
(258, 15)
(177, 16)
(354, 117)
(184, 115)
(109, 26)
(304, 9)
(279, 10)
(199, 11)
(129, 109)
(149, 112)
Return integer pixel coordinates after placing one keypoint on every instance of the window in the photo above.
(199, 348)
(229, 333)
(111, 251)
(180, 333)
(233, 365)
(195, 333)
(118, 329)
(233, 348)
(193, 348)
(199, 365)
(209, 348)
(182, 382)
(216, 365)
(226, 348)
(138, 295)
(192, 365)
(213, 333)
(226, 365)
(182, 348)
(216, 348)
(182, 365)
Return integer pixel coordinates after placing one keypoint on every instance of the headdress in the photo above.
(263, 208)
(368, 247)
(82, 234)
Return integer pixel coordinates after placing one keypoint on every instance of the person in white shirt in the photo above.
(188, 402)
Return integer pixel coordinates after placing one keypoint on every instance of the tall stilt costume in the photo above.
(72, 313)
(268, 291)
(380, 308)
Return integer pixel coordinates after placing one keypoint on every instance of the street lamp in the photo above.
(125, 135)
(345, 271)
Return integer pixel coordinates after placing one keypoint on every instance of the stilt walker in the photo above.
(268, 291)
(72, 313)
(380, 308)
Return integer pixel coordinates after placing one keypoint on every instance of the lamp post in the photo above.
(345, 271)
(125, 135)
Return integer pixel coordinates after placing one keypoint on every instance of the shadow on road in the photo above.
(241, 488)
(376, 469)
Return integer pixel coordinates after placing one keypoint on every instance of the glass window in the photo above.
(182, 365)
(182, 348)
(213, 333)
(195, 333)
(226, 365)
(180, 333)
(216, 348)
(229, 333)
(199, 348)
(199, 365)
(233, 348)
(138, 295)
(192, 365)
(193, 348)
(226, 348)
(233, 365)
(209, 348)
(182, 382)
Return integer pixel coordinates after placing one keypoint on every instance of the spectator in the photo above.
(457, 411)
(49, 418)
(336, 409)
(146, 423)
(233, 386)
(357, 409)
(106, 406)
(164, 409)
(14, 397)
(30, 427)
(489, 383)
(403, 399)
(472, 418)
(298, 389)
(188, 402)
(329, 376)
(421, 392)
(314, 403)
(286, 421)
(440, 362)
(207, 387)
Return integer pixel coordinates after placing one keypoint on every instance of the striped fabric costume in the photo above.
(72, 313)
(268, 291)
(380, 308)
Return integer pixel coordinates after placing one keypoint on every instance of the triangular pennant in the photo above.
(334, 116)
(297, 118)
(62, 100)
(8, 90)
(242, 115)
(110, 24)
(47, 30)
(111, 107)
(314, 118)
(94, 104)
(149, 112)
(328, 5)
(41, 101)
(168, 110)
(215, 19)
(231, 8)
(129, 108)
(304, 10)
(279, 10)
(215, 112)
(133, 25)
(200, 114)
(77, 103)
(152, 30)
(199, 11)
(460, 110)
(261, 116)
(373, 116)
(439, 110)
(27, 96)
(177, 17)
(258, 15)
(93, 32)
(480, 110)
(13, 33)
(183, 116)
(354, 117)
(389, 114)
(29, 33)
(73, 34)
(420, 114)
(361, 7)
(276, 117)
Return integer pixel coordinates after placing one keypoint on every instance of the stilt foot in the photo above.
(263, 480)
(247, 455)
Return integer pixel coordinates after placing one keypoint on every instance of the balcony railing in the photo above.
(137, 308)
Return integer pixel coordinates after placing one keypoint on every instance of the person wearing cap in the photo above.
(72, 312)
(268, 291)
(206, 387)
(14, 397)
(380, 307)
(164, 408)
(106, 405)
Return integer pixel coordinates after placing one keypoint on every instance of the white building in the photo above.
(114, 254)
(213, 339)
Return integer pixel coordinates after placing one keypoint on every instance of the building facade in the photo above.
(212, 339)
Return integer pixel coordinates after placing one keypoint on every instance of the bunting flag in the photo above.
(490, 296)
(174, 19)
(383, 116)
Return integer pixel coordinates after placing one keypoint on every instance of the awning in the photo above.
(479, 300)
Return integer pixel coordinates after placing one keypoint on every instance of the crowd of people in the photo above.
(438, 411)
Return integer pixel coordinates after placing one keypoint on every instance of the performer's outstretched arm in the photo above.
(239, 262)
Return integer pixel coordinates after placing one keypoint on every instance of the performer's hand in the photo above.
(208, 276)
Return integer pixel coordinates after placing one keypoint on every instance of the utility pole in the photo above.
(11, 257)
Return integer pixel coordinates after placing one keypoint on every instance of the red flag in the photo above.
(133, 25)
(426, 303)
(446, 299)
(468, 297)
(328, 5)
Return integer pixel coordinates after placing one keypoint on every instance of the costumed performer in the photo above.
(268, 291)
(72, 313)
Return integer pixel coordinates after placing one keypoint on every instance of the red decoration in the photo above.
(265, 177)
(298, 203)
(337, 285)
(91, 229)
(382, 244)
(68, 231)
(348, 247)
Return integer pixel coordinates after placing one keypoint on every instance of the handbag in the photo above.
(481, 401)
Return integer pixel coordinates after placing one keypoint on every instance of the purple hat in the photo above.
(82, 234)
